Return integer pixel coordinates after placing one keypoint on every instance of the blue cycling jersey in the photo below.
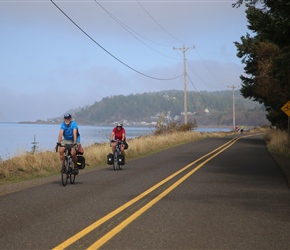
(68, 131)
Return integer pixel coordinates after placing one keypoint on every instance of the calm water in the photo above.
(18, 138)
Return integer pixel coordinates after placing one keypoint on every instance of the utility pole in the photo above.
(184, 79)
(234, 115)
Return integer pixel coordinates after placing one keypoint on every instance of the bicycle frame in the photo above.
(117, 152)
(66, 169)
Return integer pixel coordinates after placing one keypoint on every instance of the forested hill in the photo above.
(207, 108)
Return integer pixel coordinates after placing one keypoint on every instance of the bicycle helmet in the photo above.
(67, 116)
(119, 125)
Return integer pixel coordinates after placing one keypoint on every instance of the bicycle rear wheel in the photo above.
(64, 172)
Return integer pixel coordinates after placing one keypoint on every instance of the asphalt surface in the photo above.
(236, 197)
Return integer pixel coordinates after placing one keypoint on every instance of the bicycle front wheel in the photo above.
(64, 172)
(70, 172)
(122, 162)
(115, 163)
(120, 166)
(72, 178)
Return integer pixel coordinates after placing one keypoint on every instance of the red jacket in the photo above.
(118, 133)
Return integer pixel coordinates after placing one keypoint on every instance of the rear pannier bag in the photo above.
(110, 159)
(126, 145)
(81, 162)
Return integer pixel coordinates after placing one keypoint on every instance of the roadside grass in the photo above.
(29, 166)
(277, 142)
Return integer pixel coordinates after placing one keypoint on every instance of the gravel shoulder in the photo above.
(15, 187)
(284, 164)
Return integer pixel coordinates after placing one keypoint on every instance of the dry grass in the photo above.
(277, 141)
(29, 166)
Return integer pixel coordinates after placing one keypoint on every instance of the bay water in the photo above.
(18, 138)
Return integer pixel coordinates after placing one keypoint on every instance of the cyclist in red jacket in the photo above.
(118, 133)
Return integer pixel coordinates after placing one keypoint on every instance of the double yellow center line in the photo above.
(100, 242)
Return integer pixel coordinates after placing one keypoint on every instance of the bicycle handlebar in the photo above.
(64, 146)
(116, 141)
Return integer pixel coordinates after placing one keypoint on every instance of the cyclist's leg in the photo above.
(74, 156)
(122, 147)
(75, 160)
(61, 153)
(62, 149)
(113, 144)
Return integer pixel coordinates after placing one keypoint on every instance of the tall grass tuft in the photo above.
(277, 141)
(28, 165)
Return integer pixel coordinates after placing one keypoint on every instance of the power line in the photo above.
(107, 50)
(199, 93)
(209, 69)
(202, 80)
(138, 1)
(128, 29)
(158, 23)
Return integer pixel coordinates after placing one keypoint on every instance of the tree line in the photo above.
(266, 56)
(206, 108)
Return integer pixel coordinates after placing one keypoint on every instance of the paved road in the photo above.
(222, 193)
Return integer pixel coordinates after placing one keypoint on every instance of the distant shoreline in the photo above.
(105, 124)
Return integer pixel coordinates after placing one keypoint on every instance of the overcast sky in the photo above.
(60, 55)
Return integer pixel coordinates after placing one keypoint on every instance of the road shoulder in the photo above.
(284, 164)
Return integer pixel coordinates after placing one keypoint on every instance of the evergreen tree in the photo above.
(266, 55)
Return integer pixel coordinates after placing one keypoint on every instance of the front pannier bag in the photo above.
(121, 159)
(110, 159)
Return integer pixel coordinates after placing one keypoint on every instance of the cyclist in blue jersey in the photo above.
(68, 134)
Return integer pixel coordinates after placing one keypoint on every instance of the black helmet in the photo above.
(67, 116)
(119, 125)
